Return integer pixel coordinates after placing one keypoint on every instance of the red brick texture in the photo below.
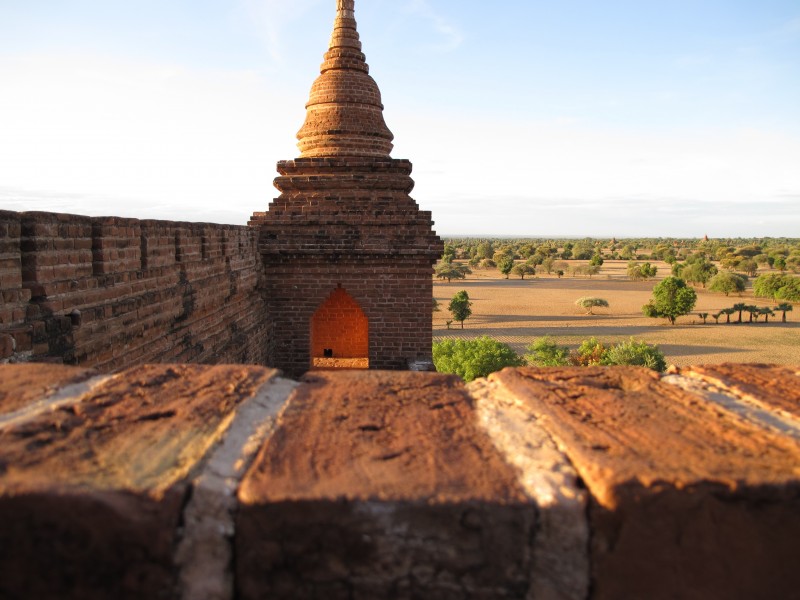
(344, 111)
(348, 222)
(109, 292)
(193, 481)
(344, 219)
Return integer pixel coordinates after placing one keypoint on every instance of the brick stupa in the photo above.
(347, 252)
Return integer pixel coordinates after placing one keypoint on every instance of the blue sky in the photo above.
(521, 118)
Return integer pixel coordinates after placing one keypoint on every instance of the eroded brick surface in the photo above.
(686, 500)
(20, 385)
(91, 494)
(386, 484)
(772, 385)
(380, 484)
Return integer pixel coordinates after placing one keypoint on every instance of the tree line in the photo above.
(470, 359)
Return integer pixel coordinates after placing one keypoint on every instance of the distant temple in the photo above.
(347, 252)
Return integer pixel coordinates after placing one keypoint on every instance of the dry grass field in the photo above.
(517, 311)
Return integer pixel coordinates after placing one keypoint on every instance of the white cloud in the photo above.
(270, 19)
(450, 36)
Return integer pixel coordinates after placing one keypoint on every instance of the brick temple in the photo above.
(347, 252)
(149, 450)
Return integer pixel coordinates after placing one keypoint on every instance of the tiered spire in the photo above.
(344, 114)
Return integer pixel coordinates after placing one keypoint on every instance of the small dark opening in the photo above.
(327, 352)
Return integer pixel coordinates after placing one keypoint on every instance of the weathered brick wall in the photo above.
(348, 221)
(389, 294)
(227, 481)
(110, 292)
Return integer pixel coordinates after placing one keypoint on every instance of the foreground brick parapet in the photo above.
(170, 481)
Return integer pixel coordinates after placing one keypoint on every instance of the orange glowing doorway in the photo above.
(339, 333)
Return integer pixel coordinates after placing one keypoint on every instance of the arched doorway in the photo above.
(339, 333)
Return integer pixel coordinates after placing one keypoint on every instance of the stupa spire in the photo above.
(344, 113)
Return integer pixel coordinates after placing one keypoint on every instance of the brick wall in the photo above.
(348, 222)
(227, 481)
(110, 292)
(390, 296)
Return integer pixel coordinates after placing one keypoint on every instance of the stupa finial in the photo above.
(344, 113)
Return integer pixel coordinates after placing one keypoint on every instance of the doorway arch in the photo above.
(339, 333)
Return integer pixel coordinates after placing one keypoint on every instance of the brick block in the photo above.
(75, 526)
(685, 500)
(375, 514)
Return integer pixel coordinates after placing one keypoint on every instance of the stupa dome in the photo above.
(344, 113)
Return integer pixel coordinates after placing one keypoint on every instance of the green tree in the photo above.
(790, 291)
(548, 264)
(777, 286)
(727, 282)
(451, 270)
(752, 310)
(523, 269)
(700, 271)
(784, 307)
(505, 264)
(470, 359)
(544, 352)
(628, 252)
(436, 305)
(638, 271)
(583, 249)
(671, 299)
(740, 307)
(749, 266)
(589, 302)
(767, 312)
(485, 250)
(596, 260)
(716, 317)
(766, 286)
(727, 312)
(704, 316)
(460, 307)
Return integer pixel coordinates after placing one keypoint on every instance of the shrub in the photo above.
(470, 359)
(544, 352)
(636, 353)
(589, 353)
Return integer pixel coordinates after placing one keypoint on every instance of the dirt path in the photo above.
(517, 311)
